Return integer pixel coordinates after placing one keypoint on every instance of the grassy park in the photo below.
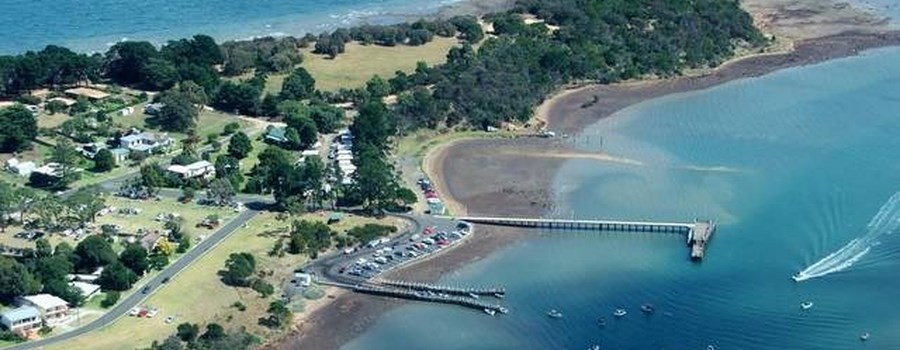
(200, 282)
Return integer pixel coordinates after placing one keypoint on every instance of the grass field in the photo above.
(198, 296)
(359, 63)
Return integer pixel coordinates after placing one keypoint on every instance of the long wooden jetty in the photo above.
(428, 287)
(428, 296)
(698, 232)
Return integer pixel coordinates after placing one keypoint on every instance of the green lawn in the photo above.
(197, 295)
(359, 63)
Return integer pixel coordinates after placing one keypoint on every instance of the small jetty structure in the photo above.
(428, 287)
(698, 232)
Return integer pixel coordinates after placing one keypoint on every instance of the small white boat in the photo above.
(864, 336)
(601, 321)
(554, 313)
(711, 347)
(595, 347)
(489, 311)
(503, 310)
(806, 305)
(620, 312)
(647, 308)
(473, 295)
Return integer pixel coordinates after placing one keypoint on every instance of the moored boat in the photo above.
(554, 313)
(806, 305)
(489, 311)
(647, 308)
(864, 336)
(620, 312)
(503, 310)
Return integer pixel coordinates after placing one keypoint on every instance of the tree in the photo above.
(15, 280)
(178, 112)
(213, 332)
(298, 86)
(188, 332)
(378, 87)
(67, 158)
(171, 343)
(93, 252)
(309, 237)
(112, 297)
(125, 61)
(238, 268)
(239, 145)
(18, 127)
(374, 180)
(85, 203)
(9, 204)
(374, 125)
(42, 248)
(304, 131)
(135, 257)
(117, 277)
(419, 109)
(159, 74)
(184, 243)
(241, 97)
(220, 192)
(104, 161)
(228, 167)
(231, 128)
(279, 315)
(60, 287)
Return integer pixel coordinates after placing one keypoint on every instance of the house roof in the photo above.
(276, 134)
(119, 151)
(88, 92)
(87, 289)
(65, 101)
(45, 301)
(21, 313)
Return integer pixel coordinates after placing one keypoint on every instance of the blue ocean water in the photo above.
(793, 165)
(94, 24)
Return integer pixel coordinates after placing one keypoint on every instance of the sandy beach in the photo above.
(512, 176)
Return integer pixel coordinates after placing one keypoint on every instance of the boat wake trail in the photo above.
(885, 222)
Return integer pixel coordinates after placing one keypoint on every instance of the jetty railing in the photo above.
(698, 232)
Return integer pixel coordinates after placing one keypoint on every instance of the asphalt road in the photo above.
(154, 284)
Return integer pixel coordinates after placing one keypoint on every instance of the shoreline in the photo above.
(520, 171)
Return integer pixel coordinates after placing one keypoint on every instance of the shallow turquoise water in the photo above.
(91, 25)
(793, 165)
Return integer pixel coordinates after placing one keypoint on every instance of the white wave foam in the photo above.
(885, 222)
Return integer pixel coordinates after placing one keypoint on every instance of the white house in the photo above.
(21, 320)
(145, 142)
(20, 168)
(53, 310)
(202, 168)
(87, 289)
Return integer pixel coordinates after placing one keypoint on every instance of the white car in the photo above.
(134, 312)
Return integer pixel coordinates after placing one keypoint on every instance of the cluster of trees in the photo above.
(37, 210)
(270, 55)
(368, 232)
(375, 184)
(309, 237)
(598, 40)
(139, 63)
(52, 66)
(240, 271)
(188, 337)
(45, 270)
(18, 127)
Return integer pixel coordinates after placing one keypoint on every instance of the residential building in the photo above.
(53, 310)
(20, 168)
(145, 142)
(49, 169)
(276, 134)
(202, 169)
(91, 94)
(87, 289)
(21, 320)
(119, 154)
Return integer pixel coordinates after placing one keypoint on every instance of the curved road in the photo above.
(133, 300)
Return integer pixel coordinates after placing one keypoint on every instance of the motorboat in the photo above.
(473, 295)
(864, 336)
(499, 295)
(554, 313)
(489, 311)
(806, 305)
(647, 308)
(601, 321)
(711, 347)
(594, 347)
(503, 310)
(620, 312)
